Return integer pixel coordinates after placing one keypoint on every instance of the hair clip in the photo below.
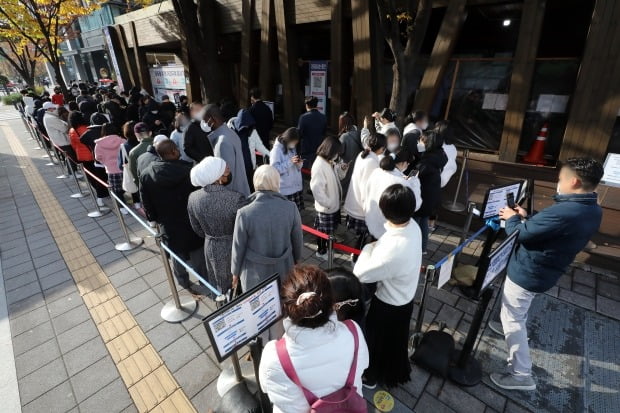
(304, 296)
(340, 304)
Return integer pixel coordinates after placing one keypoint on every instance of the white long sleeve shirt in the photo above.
(321, 357)
(354, 202)
(378, 182)
(393, 262)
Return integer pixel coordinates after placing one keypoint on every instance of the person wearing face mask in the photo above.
(288, 163)
(392, 142)
(384, 121)
(153, 118)
(181, 123)
(547, 244)
(58, 132)
(326, 174)
(165, 187)
(391, 171)
(415, 124)
(212, 211)
(366, 163)
(196, 142)
(431, 160)
(226, 145)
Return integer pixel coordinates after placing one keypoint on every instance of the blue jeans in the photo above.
(423, 224)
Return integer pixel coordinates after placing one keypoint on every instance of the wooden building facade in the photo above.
(498, 70)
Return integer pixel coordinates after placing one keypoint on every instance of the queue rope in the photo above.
(459, 248)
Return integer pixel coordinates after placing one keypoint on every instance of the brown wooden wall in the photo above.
(596, 100)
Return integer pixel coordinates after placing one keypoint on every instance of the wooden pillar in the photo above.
(596, 99)
(362, 57)
(289, 71)
(521, 78)
(140, 58)
(265, 79)
(440, 56)
(122, 42)
(247, 6)
(193, 88)
(335, 64)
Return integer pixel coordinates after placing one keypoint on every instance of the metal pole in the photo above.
(176, 310)
(101, 211)
(79, 193)
(130, 242)
(62, 175)
(234, 358)
(414, 340)
(330, 252)
(455, 206)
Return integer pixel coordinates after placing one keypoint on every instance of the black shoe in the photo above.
(369, 383)
(194, 289)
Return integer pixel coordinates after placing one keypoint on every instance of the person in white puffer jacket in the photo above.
(320, 347)
(366, 163)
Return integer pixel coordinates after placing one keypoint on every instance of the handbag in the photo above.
(129, 183)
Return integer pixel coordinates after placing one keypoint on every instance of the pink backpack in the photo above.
(345, 400)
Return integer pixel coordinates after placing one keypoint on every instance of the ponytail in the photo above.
(388, 163)
(376, 141)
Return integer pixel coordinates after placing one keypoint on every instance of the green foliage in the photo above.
(11, 99)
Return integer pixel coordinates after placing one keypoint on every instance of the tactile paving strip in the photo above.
(149, 382)
(575, 356)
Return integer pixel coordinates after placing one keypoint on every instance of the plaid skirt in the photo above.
(357, 225)
(327, 223)
(116, 182)
(297, 198)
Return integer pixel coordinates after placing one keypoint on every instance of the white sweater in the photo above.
(378, 182)
(354, 202)
(57, 129)
(325, 186)
(393, 262)
(321, 357)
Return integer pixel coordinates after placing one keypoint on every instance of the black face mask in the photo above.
(228, 180)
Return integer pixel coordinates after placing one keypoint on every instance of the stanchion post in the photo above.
(62, 175)
(330, 252)
(79, 193)
(467, 371)
(429, 276)
(456, 206)
(101, 211)
(130, 242)
(176, 310)
(470, 215)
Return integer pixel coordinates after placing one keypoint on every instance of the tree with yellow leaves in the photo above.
(44, 24)
(22, 57)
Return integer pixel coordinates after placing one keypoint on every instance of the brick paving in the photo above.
(62, 360)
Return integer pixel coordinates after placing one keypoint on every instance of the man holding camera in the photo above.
(547, 244)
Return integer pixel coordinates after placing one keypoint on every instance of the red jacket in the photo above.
(82, 151)
(58, 99)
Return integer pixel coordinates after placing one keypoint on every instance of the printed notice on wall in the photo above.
(495, 198)
(318, 83)
(235, 324)
(611, 177)
(552, 103)
(445, 272)
(498, 260)
(495, 101)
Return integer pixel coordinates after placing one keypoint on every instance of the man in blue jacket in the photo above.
(547, 244)
(312, 126)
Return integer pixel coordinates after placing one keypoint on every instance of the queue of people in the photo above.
(192, 170)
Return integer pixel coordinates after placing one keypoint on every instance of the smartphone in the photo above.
(414, 172)
(510, 200)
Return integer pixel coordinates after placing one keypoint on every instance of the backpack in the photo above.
(344, 400)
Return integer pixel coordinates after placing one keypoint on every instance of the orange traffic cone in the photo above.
(536, 155)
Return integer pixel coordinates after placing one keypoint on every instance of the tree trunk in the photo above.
(60, 81)
(401, 86)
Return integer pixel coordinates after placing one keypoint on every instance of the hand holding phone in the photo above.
(510, 200)
(414, 172)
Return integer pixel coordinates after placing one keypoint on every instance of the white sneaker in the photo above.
(137, 205)
(124, 211)
(100, 202)
(321, 256)
(78, 175)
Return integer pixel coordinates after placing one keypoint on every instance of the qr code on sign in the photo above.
(254, 304)
(317, 82)
(219, 325)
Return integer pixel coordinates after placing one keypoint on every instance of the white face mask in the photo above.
(392, 146)
(205, 126)
(557, 189)
(421, 147)
(292, 146)
(424, 125)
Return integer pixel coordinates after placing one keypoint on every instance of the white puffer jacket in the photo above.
(354, 202)
(325, 185)
(321, 357)
(450, 168)
(57, 129)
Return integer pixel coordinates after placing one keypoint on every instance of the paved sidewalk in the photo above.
(64, 363)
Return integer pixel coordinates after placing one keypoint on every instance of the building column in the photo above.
(287, 42)
(362, 58)
(247, 8)
(140, 59)
(336, 64)
(265, 73)
(596, 100)
(456, 14)
(521, 79)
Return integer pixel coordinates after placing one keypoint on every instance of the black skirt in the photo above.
(387, 335)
